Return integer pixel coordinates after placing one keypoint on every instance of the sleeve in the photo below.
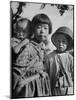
(14, 42)
(71, 68)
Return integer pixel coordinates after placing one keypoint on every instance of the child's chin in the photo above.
(61, 51)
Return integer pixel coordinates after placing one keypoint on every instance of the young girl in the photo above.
(30, 77)
(42, 27)
(61, 62)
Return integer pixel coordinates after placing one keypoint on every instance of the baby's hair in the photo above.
(19, 25)
(43, 19)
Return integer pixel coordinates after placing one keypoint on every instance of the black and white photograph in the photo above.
(41, 49)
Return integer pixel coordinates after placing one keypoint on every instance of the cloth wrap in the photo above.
(29, 76)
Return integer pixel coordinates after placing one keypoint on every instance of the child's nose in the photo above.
(61, 43)
(21, 34)
(42, 30)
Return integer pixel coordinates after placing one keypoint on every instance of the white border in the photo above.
(5, 47)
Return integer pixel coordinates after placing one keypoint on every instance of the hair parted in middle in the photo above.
(41, 19)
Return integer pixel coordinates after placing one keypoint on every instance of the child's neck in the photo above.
(37, 41)
(60, 51)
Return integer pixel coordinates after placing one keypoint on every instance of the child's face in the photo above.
(21, 34)
(22, 30)
(61, 43)
(41, 32)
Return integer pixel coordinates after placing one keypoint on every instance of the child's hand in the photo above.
(20, 85)
(24, 42)
(18, 47)
(14, 42)
(43, 74)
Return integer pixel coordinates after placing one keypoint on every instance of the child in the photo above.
(19, 40)
(61, 62)
(42, 27)
(30, 78)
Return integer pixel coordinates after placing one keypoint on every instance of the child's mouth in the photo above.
(43, 37)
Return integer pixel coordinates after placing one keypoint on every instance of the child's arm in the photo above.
(20, 45)
(14, 42)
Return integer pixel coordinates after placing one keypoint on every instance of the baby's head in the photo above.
(23, 28)
(41, 27)
(62, 39)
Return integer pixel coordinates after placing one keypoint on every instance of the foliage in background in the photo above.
(62, 8)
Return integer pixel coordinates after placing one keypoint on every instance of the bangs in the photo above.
(41, 19)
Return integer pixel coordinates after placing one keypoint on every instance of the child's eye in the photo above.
(24, 31)
(39, 27)
(58, 40)
(45, 27)
(64, 41)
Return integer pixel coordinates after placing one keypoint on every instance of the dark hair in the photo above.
(28, 26)
(41, 18)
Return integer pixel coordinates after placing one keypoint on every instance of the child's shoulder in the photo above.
(52, 54)
(34, 45)
(66, 56)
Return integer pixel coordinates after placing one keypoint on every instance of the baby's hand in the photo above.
(24, 42)
(14, 42)
(18, 46)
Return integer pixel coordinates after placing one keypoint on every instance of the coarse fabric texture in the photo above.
(61, 73)
(32, 86)
(28, 73)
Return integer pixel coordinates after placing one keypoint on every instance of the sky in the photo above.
(32, 9)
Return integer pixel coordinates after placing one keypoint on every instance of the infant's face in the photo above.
(22, 30)
(21, 35)
(41, 32)
(61, 43)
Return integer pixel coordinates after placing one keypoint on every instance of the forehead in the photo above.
(42, 24)
(61, 37)
(23, 24)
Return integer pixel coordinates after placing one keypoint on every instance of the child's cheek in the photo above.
(65, 46)
(38, 31)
